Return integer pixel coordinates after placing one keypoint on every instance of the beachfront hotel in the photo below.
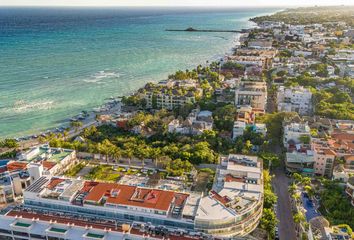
(63, 208)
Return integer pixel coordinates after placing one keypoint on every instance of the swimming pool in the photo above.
(311, 212)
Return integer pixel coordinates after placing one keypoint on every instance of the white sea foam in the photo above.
(100, 76)
(23, 106)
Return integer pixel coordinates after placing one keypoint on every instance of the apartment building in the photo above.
(251, 93)
(234, 206)
(293, 133)
(300, 160)
(294, 99)
(323, 156)
(167, 101)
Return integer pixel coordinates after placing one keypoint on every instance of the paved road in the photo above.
(286, 223)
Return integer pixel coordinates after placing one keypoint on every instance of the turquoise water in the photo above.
(55, 63)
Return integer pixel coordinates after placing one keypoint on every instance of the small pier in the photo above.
(190, 29)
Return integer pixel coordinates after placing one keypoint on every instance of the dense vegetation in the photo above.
(330, 101)
(269, 220)
(8, 143)
(310, 15)
(335, 205)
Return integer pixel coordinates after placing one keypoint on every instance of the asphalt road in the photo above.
(286, 223)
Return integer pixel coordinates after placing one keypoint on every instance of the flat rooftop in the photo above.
(100, 193)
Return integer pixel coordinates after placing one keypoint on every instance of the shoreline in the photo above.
(65, 123)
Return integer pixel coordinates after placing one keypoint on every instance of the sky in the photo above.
(221, 3)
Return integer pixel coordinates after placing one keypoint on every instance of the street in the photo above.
(285, 217)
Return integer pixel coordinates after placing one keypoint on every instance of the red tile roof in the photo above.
(54, 182)
(134, 196)
(343, 136)
(329, 152)
(48, 165)
(224, 200)
(230, 178)
(13, 166)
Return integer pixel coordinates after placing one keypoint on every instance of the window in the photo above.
(17, 233)
(37, 236)
(5, 231)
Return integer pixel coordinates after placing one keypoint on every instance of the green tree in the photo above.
(9, 143)
(178, 167)
(269, 222)
(269, 198)
(298, 217)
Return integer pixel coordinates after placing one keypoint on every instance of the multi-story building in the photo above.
(234, 206)
(30, 166)
(251, 93)
(294, 99)
(300, 161)
(293, 133)
(167, 101)
(260, 44)
(56, 207)
(238, 129)
(323, 156)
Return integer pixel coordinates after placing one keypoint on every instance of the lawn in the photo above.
(103, 173)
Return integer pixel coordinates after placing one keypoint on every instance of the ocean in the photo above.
(57, 62)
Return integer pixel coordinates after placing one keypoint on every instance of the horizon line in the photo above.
(183, 6)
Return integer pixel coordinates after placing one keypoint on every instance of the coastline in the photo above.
(107, 104)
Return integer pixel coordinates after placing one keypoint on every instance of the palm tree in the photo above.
(116, 152)
(105, 148)
(128, 153)
(65, 134)
(292, 188)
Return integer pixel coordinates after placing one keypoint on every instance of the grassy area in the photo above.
(104, 173)
(74, 170)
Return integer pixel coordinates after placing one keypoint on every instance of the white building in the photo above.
(293, 132)
(238, 129)
(294, 99)
(56, 207)
(196, 123)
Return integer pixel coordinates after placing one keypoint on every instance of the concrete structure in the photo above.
(71, 208)
(293, 132)
(238, 129)
(251, 93)
(323, 156)
(260, 44)
(196, 123)
(30, 166)
(300, 161)
(294, 99)
(234, 206)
